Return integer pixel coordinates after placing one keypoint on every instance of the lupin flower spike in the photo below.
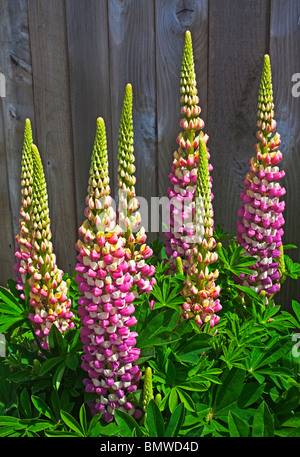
(184, 170)
(106, 302)
(22, 252)
(129, 218)
(48, 290)
(200, 290)
(261, 220)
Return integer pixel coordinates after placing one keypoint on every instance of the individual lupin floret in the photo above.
(260, 226)
(184, 170)
(48, 291)
(129, 218)
(200, 290)
(23, 239)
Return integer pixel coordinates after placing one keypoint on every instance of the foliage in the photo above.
(239, 381)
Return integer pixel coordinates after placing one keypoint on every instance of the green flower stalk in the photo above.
(23, 238)
(147, 388)
(48, 290)
(184, 170)
(260, 226)
(200, 289)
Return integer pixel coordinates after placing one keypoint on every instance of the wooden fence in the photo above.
(66, 62)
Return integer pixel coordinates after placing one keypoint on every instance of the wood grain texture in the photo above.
(238, 40)
(48, 40)
(15, 64)
(285, 61)
(87, 31)
(132, 60)
(173, 18)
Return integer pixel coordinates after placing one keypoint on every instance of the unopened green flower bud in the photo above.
(147, 389)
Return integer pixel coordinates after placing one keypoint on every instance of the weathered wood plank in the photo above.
(285, 61)
(173, 18)
(87, 30)
(48, 40)
(132, 60)
(238, 40)
(15, 64)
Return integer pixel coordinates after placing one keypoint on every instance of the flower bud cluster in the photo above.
(23, 238)
(108, 272)
(129, 218)
(200, 289)
(48, 293)
(185, 164)
(260, 226)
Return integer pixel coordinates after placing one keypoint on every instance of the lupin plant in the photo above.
(260, 226)
(129, 217)
(184, 170)
(22, 252)
(108, 269)
(48, 293)
(200, 289)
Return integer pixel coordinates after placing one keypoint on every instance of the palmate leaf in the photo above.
(292, 268)
(167, 296)
(237, 426)
(160, 329)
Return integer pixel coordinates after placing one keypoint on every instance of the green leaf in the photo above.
(237, 426)
(6, 322)
(9, 299)
(145, 354)
(296, 309)
(83, 419)
(176, 421)
(58, 375)
(40, 426)
(229, 391)
(56, 341)
(155, 420)
(194, 386)
(54, 433)
(71, 423)
(289, 246)
(42, 407)
(25, 402)
(9, 421)
(251, 393)
(72, 361)
(161, 325)
(173, 399)
(127, 424)
(48, 365)
(293, 421)
(263, 425)
(191, 350)
(93, 423)
(249, 291)
(186, 399)
(160, 339)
